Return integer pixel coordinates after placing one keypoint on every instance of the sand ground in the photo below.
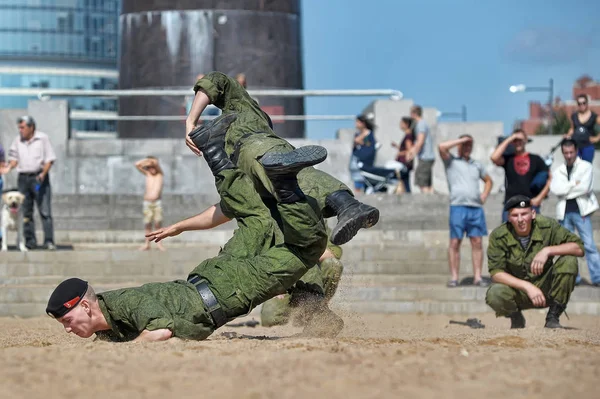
(376, 356)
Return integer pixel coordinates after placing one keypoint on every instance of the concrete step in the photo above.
(179, 262)
(124, 212)
(104, 212)
(103, 280)
(448, 308)
(157, 269)
(408, 235)
(418, 267)
(348, 279)
(431, 292)
(406, 298)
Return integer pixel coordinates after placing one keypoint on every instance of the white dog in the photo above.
(12, 218)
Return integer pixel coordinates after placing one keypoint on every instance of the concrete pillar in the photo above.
(166, 44)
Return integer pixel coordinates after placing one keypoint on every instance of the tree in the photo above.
(560, 123)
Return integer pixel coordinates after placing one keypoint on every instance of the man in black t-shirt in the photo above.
(526, 174)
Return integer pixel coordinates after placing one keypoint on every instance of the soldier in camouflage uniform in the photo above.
(250, 269)
(251, 136)
(315, 288)
(520, 259)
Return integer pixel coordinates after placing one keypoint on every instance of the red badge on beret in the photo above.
(71, 303)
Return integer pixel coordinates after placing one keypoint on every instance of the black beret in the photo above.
(65, 297)
(518, 201)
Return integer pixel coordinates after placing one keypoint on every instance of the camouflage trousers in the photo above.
(557, 284)
(314, 183)
(262, 259)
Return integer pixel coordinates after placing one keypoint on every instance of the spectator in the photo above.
(583, 129)
(153, 211)
(2, 165)
(526, 174)
(363, 151)
(572, 184)
(241, 79)
(407, 125)
(423, 149)
(466, 205)
(32, 155)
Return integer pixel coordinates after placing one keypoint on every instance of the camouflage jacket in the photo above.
(228, 95)
(505, 253)
(173, 305)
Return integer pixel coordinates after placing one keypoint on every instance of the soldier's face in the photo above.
(520, 219)
(79, 320)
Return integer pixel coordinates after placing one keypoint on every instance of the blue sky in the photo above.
(446, 53)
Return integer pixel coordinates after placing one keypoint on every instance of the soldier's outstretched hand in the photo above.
(164, 232)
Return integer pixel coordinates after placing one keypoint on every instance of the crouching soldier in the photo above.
(520, 260)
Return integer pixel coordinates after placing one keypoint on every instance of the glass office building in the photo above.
(60, 44)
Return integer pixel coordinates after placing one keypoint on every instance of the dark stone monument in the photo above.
(167, 43)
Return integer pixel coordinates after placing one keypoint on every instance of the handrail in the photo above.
(47, 94)
(113, 116)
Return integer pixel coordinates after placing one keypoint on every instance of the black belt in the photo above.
(30, 174)
(210, 301)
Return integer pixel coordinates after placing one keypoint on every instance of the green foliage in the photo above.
(560, 124)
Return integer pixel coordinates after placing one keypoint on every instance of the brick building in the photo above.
(538, 112)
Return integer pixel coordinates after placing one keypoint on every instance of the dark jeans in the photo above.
(405, 177)
(1, 186)
(42, 196)
(587, 153)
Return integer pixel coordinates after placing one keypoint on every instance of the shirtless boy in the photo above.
(152, 204)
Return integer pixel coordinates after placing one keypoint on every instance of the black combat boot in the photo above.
(517, 320)
(282, 169)
(210, 139)
(352, 216)
(556, 309)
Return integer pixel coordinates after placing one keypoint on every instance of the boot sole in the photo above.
(553, 327)
(295, 160)
(343, 232)
(213, 127)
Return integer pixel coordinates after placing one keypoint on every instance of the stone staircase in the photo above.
(385, 271)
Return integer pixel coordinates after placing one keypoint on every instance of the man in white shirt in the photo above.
(32, 155)
(572, 184)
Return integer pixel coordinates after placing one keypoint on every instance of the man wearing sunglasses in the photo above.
(582, 131)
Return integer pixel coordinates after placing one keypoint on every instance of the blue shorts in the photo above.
(469, 220)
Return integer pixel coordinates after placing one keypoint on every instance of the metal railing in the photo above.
(113, 116)
(47, 94)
